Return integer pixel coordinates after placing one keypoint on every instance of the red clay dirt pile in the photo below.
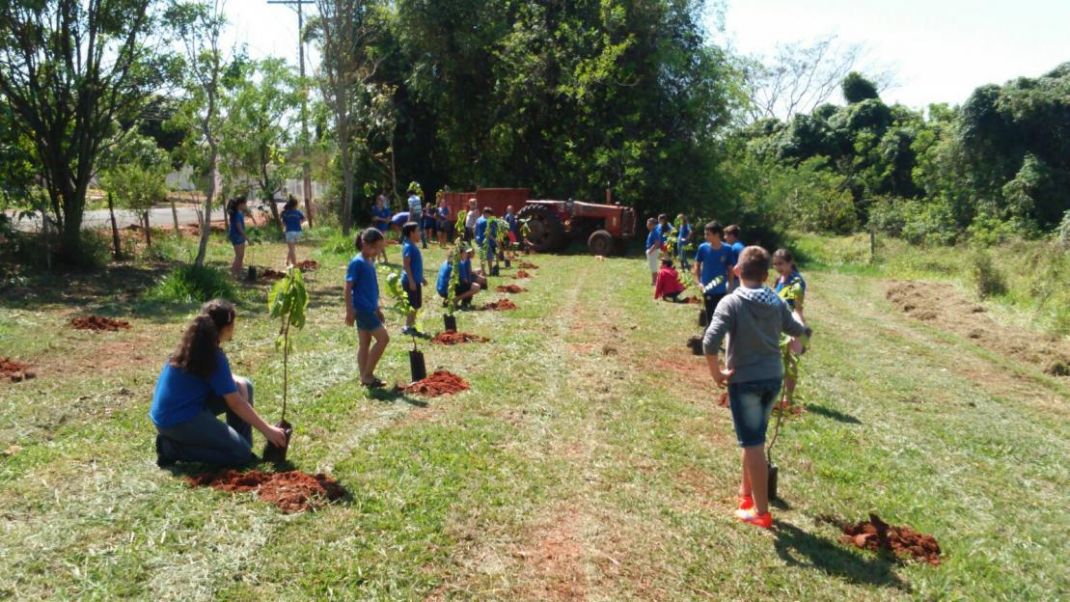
(15, 371)
(511, 288)
(292, 491)
(877, 535)
(308, 265)
(438, 383)
(270, 274)
(524, 265)
(452, 337)
(520, 274)
(500, 305)
(99, 323)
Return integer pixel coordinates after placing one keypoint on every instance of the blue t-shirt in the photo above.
(481, 230)
(442, 283)
(792, 278)
(382, 213)
(715, 262)
(400, 219)
(293, 219)
(416, 262)
(653, 239)
(443, 213)
(361, 273)
(236, 235)
(514, 224)
(737, 250)
(684, 232)
(180, 395)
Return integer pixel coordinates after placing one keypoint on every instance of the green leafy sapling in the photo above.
(395, 290)
(287, 302)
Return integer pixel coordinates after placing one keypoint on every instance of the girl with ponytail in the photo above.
(362, 305)
(194, 387)
(236, 234)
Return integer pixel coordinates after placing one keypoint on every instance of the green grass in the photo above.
(589, 460)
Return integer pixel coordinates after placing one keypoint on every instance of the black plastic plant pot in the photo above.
(773, 475)
(508, 263)
(417, 366)
(274, 454)
(695, 344)
(250, 274)
(495, 271)
(450, 322)
(702, 318)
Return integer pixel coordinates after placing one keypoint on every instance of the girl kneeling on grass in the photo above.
(362, 305)
(194, 386)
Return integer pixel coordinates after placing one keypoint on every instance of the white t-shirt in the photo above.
(415, 207)
(471, 219)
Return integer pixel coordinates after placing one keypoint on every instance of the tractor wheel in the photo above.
(546, 231)
(601, 243)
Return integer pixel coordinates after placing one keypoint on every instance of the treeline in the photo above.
(994, 168)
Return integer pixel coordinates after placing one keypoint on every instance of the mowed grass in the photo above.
(588, 461)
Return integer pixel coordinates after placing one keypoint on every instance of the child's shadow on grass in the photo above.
(833, 414)
(394, 394)
(801, 549)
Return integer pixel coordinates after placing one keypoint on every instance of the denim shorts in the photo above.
(751, 403)
(368, 320)
(236, 239)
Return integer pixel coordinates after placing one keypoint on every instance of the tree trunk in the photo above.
(307, 183)
(269, 196)
(174, 217)
(117, 252)
(206, 225)
(148, 230)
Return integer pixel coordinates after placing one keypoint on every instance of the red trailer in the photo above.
(553, 223)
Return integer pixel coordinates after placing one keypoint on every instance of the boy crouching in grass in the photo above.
(754, 317)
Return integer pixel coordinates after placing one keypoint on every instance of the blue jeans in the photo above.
(205, 438)
(751, 403)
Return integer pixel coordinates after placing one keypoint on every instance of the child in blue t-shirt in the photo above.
(683, 238)
(791, 287)
(466, 286)
(731, 238)
(442, 221)
(381, 215)
(653, 249)
(292, 218)
(486, 233)
(236, 234)
(714, 261)
(412, 278)
(362, 305)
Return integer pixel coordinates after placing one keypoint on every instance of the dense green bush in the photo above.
(193, 284)
(987, 278)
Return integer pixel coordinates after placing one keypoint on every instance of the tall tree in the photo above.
(199, 25)
(70, 69)
(347, 30)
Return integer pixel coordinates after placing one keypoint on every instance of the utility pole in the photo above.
(306, 170)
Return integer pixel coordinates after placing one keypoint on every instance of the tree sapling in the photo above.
(287, 302)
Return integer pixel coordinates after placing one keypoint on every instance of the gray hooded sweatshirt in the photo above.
(754, 317)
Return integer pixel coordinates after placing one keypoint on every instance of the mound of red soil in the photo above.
(511, 288)
(15, 371)
(438, 383)
(524, 265)
(308, 265)
(877, 535)
(693, 301)
(500, 305)
(99, 323)
(452, 337)
(292, 491)
(270, 274)
(522, 274)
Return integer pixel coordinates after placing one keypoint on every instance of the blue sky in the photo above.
(940, 50)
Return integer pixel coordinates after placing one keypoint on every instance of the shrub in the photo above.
(1063, 231)
(989, 281)
(193, 284)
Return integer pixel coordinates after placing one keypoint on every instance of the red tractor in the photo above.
(553, 224)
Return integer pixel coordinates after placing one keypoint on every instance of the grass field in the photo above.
(589, 460)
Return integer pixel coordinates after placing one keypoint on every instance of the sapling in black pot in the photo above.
(287, 302)
(401, 305)
(455, 257)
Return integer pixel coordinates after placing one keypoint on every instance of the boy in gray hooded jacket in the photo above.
(755, 317)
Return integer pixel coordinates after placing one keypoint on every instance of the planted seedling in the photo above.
(401, 306)
(287, 303)
(455, 257)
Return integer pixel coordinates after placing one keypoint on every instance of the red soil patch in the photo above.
(308, 265)
(511, 288)
(438, 383)
(270, 274)
(524, 265)
(500, 305)
(693, 301)
(99, 323)
(292, 491)
(521, 274)
(452, 337)
(15, 371)
(877, 535)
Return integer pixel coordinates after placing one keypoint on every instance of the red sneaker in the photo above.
(746, 502)
(764, 521)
